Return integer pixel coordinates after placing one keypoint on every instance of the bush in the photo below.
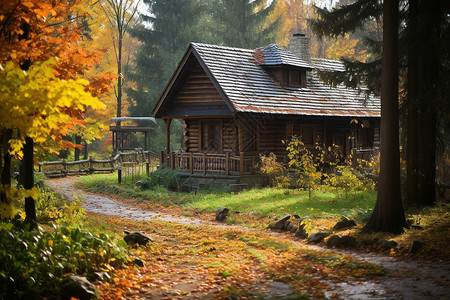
(165, 177)
(32, 263)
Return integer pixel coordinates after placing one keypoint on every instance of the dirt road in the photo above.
(405, 279)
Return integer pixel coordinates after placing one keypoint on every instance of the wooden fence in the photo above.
(131, 163)
(203, 163)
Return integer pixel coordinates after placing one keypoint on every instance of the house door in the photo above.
(339, 140)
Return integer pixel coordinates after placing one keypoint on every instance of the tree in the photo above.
(242, 23)
(31, 32)
(119, 13)
(388, 215)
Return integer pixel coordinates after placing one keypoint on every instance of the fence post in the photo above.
(241, 163)
(91, 165)
(191, 166)
(147, 167)
(64, 170)
(204, 163)
(227, 163)
(119, 174)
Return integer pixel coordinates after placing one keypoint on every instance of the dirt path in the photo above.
(405, 279)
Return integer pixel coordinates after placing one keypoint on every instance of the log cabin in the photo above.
(238, 103)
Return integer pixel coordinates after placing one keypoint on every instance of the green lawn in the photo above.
(267, 202)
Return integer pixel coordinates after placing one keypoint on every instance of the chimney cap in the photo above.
(299, 34)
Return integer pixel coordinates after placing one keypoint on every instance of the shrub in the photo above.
(165, 177)
(32, 263)
(275, 170)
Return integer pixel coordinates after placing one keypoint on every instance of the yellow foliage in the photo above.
(38, 104)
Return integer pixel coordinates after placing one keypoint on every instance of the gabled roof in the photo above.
(247, 87)
(274, 55)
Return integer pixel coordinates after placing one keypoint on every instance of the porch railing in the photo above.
(204, 163)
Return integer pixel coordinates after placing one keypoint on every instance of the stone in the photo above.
(98, 276)
(301, 232)
(293, 229)
(222, 213)
(317, 237)
(415, 247)
(387, 245)
(348, 241)
(345, 223)
(137, 238)
(138, 262)
(287, 226)
(334, 241)
(78, 287)
(281, 223)
(369, 242)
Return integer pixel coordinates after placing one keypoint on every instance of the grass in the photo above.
(266, 202)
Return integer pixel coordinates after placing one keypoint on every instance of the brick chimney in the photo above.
(299, 45)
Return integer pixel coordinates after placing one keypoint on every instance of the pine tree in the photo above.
(242, 23)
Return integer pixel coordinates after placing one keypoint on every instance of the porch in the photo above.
(208, 163)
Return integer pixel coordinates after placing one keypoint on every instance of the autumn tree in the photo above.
(120, 14)
(31, 33)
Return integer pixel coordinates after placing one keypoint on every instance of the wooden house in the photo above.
(238, 103)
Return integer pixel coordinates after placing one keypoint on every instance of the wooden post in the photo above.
(167, 122)
(354, 158)
(161, 157)
(227, 163)
(91, 165)
(191, 166)
(171, 161)
(204, 163)
(64, 170)
(241, 163)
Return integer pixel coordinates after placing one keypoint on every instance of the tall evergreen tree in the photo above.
(422, 33)
(242, 23)
(170, 26)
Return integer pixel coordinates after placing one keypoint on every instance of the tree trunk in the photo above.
(30, 207)
(77, 150)
(388, 215)
(6, 168)
(85, 150)
(412, 185)
(429, 31)
(119, 81)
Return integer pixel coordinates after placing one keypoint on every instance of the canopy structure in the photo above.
(129, 133)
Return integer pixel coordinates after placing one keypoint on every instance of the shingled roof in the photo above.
(246, 86)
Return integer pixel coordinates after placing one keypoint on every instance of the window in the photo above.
(211, 135)
(294, 78)
(307, 134)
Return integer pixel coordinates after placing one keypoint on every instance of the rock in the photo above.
(78, 287)
(281, 223)
(387, 245)
(138, 262)
(317, 237)
(254, 213)
(415, 246)
(99, 275)
(417, 227)
(222, 213)
(301, 232)
(334, 241)
(346, 223)
(369, 242)
(137, 238)
(293, 229)
(348, 241)
(288, 226)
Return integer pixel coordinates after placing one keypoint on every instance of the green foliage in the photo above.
(302, 162)
(33, 263)
(165, 177)
(241, 23)
(275, 170)
(51, 208)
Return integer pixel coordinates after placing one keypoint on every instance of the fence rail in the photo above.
(143, 160)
